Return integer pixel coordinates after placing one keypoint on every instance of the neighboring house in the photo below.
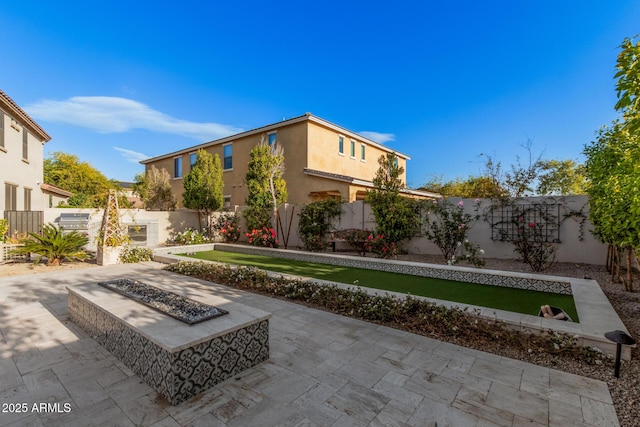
(21, 159)
(126, 189)
(54, 195)
(321, 160)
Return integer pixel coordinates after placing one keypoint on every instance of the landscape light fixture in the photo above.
(620, 338)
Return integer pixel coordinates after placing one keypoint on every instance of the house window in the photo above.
(177, 167)
(27, 199)
(228, 157)
(10, 197)
(227, 201)
(272, 138)
(25, 143)
(362, 157)
(192, 160)
(1, 129)
(353, 149)
(341, 145)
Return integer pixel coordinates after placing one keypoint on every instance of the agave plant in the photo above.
(55, 245)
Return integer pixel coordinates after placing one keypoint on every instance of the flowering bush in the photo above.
(133, 254)
(356, 238)
(191, 237)
(448, 227)
(468, 252)
(228, 225)
(265, 237)
(532, 245)
(381, 246)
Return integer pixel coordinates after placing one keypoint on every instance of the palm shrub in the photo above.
(54, 244)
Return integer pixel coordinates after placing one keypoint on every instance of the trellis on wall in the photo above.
(509, 221)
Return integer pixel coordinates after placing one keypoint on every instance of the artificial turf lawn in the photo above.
(517, 300)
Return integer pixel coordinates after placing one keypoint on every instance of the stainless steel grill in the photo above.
(74, 222)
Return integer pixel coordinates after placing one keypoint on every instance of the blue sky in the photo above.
(114, 82)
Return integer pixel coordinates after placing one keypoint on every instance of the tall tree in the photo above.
(561, 177)
(154, 189)
(628, 84)
(88, 185)
(265, 183)
(203, 187)
(471, 187)
(395, 215)
(612, 168)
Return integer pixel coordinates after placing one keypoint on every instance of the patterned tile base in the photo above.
(414, 269)
(181, 375)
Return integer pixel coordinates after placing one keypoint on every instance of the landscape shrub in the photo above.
(228, 226)
(315, 223)
(191, 236)
(532, 245)
(380, 246)
(133, 254)
(356, 238)
(4, 227)
(265, 237)
(54, 244)
(447, 226)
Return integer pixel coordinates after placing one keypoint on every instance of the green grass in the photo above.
(517, 300)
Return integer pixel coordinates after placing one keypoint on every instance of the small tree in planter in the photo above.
(112, 236)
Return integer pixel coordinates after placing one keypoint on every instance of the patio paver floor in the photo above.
(324, 370)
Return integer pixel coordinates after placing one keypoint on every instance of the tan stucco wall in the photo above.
(325, 155)
(306, 145)
(25, 173)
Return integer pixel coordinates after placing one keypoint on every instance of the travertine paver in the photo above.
(324, 370)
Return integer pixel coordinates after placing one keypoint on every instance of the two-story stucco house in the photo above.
(21, 158)
(322, 160)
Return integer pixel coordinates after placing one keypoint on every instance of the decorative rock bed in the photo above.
(177, 360)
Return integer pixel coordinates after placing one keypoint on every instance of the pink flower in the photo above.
(520, 219)
(476, 201)
(532, 224)
(461, 203)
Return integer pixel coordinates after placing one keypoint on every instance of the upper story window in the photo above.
(192, 160)
(228, 157)
(341, 144)
(10, 197)
(352, 153)
(1, 129)
(25, 144)
(273, 138)
(177, 167)
(362, 152)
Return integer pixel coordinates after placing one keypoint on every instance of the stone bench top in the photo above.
(165, 331)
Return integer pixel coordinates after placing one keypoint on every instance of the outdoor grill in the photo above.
(74, 222)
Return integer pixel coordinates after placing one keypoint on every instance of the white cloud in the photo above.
(131, 156)
(107, 114)
(378, 137)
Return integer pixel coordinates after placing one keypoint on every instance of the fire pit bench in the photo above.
(176, 359)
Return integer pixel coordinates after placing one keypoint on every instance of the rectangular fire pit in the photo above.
(176, 359)
(183, 309)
